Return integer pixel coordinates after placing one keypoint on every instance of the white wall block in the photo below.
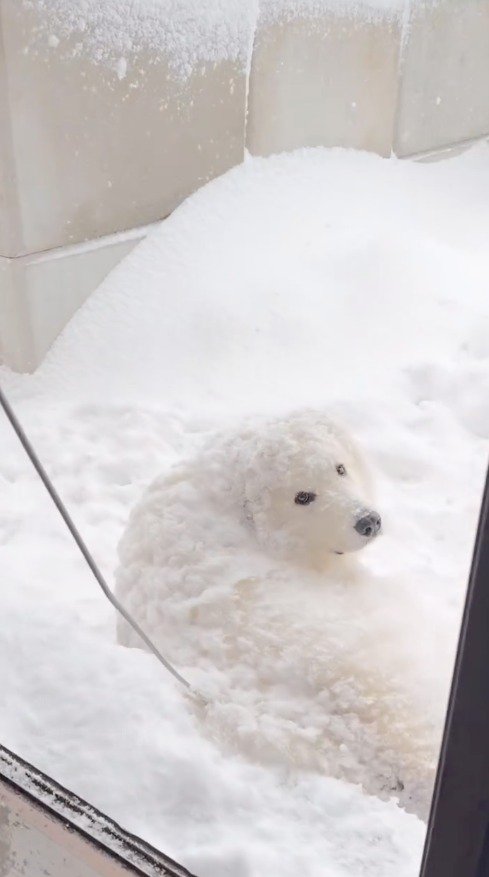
(40, 293)
(92, 148)
(324, 80)
(444, 91)
(109, 121)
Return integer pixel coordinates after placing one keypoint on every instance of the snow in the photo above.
(278, 10)
(187, 33)
(325, 278)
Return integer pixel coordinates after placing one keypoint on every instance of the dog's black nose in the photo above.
(368, 525)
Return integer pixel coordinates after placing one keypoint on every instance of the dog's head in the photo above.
(306, 490)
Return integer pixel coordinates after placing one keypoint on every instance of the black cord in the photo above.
(58, 502)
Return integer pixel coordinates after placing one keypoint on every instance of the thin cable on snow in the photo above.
(58, 502)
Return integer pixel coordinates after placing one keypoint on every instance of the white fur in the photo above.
(241, 588)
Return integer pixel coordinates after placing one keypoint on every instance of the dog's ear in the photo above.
(176, 476)
(178, 473)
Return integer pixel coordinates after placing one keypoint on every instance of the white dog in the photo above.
(232, 564)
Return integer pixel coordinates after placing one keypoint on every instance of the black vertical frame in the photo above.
(457, 840)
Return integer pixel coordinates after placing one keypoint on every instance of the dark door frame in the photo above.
(457, 840)
(38, 815)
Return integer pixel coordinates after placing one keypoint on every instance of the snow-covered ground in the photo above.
(329, 278)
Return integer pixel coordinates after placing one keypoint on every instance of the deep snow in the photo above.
(324, 277)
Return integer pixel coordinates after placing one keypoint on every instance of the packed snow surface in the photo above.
(331, 279)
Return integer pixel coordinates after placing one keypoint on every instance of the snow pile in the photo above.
(385, 281)
(322, 278)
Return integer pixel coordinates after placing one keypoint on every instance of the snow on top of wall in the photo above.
(187, 33)
(274, 10)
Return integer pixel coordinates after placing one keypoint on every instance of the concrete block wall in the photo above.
(91, 153)
(324, 80)
(89, 150)
(444, 76)
(40, 292)
(406, 80)
(94, 152)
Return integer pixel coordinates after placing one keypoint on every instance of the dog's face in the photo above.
(307, 491)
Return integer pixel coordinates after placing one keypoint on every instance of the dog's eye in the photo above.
(341, 469)
(304, 498)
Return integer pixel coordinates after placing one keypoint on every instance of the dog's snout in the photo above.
(368, 525)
